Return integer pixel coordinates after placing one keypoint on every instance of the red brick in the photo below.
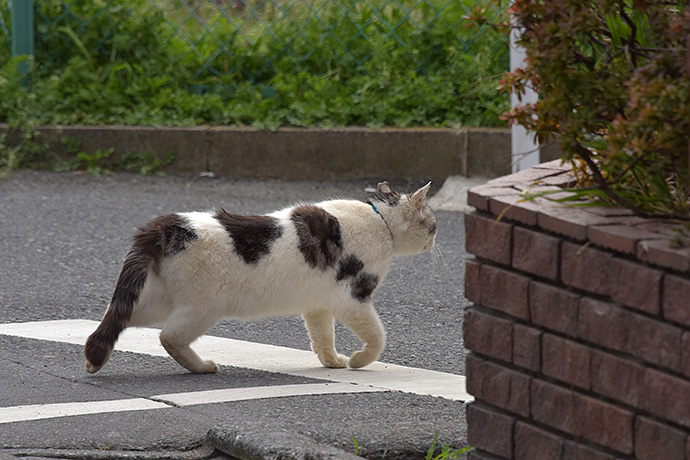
(565, 360)
(481, 455)
(512, 207)
(527, 347)
(667, 229)
(524, 177)
(488, 238)
(604, 324)
(532, 443)
(655, 341)
(586, 268)
(584, 453)
(676, 299)
(554, 165)
(659, 252)
(488, 335)
(606, 424)
(505, 291)
(610, 326)
(608, 211)
(666, 396)
(536, 253)
(473, 287)
(479, 196)
(552, 405)
(593, 419)
(621, 237)
(636, 285)
(571, 222)
(489, 430)
(498, 386)
(655, 440)
(616, 378)
(553, 307)
(685, 354)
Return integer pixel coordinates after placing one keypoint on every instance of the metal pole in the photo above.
(23, 33)
(524, 149)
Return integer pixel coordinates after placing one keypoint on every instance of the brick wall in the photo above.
(579, 331)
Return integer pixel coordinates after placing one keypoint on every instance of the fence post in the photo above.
(524, 149)
(23, 33)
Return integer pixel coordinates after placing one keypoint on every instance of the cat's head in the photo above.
(409, 218)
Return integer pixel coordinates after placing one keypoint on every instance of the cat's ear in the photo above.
(419, 196)
(384, 188)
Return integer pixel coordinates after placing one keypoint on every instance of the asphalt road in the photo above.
(62, 241)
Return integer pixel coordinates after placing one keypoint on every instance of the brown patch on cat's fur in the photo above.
(165, 236)
(251, 235)
(348, 268)
(319, 236)
(363, 285)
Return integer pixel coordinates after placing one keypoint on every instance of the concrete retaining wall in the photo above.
(579, 330)
(296, 153)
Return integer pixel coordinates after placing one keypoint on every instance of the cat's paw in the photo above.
(90, 368)
(206, 367)
(338, 361)
(360, 359)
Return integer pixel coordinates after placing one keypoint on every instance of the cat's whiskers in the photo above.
(437, 256)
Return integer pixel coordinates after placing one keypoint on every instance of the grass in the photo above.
(446, 452)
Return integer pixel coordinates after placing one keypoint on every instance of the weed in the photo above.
(146, 162)
(446, 452)
(681, 239)
(96, 163)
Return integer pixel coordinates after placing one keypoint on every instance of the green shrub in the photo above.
(104, 63)
(613, 79)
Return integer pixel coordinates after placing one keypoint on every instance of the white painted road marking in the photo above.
(43, 411)
(257, 356)
(25, 413)
(272, 391)
(375, 377)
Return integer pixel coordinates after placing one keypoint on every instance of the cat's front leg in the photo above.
(363, 320)
(322, 334)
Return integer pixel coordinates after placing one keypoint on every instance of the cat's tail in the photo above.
(146, 250)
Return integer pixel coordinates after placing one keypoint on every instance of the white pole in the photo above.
(524, 149)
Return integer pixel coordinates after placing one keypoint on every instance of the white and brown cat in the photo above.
(187, 271)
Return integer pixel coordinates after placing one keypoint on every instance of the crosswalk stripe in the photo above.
(272, 391)
(43, 411)
(30, 412)
(269, 358)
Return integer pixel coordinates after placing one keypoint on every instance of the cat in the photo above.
(324, 261)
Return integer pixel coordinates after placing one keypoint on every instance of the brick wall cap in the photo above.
(479, 196)
(608, 227)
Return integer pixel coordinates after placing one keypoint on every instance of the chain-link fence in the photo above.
(247, 38)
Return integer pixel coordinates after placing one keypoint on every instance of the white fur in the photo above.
(189, 292)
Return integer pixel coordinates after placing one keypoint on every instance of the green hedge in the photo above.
(102, 63)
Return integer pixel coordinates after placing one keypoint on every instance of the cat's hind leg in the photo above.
(363, 320)
(322, 334)
(180, 330)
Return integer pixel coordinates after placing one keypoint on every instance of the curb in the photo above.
(349, 153)
(259, 442)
